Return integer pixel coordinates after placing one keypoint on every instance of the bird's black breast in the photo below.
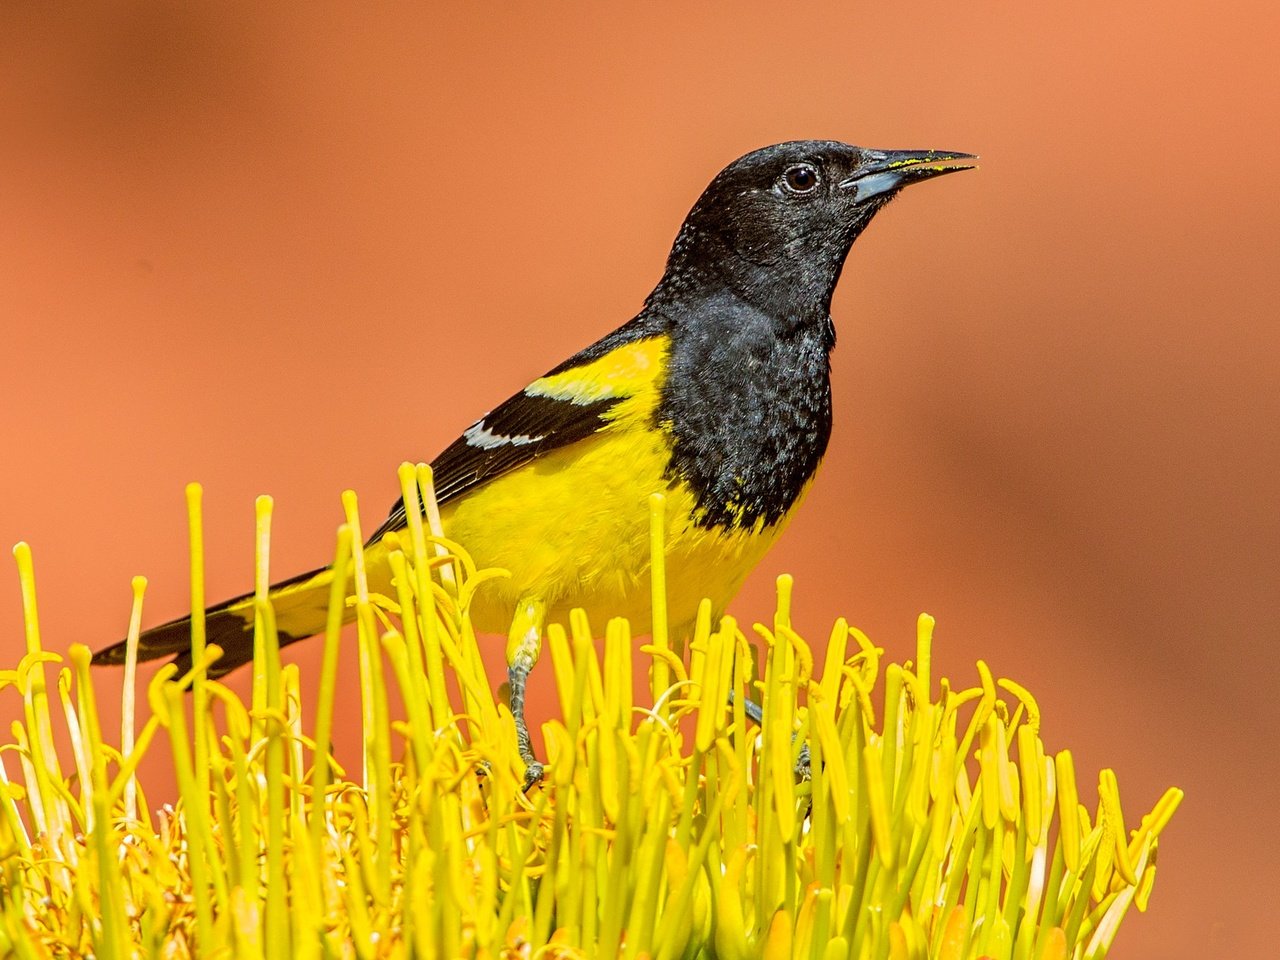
(748, 406)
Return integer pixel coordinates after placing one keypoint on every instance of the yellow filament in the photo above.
(661, 830)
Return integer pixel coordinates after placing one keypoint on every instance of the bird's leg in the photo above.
(753, 710)
(524, 644)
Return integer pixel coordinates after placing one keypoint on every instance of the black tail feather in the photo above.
(229, 625)
(229, 628)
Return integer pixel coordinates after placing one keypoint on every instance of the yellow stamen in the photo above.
(662, 830)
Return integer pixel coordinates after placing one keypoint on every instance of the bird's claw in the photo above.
(533, 775)
(804, 768)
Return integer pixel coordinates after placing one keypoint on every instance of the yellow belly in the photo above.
(572, 529)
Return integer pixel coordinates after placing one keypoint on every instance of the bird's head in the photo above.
(777, 224)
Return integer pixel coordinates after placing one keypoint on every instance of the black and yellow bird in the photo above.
(716, 394)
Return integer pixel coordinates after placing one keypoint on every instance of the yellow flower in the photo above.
(941, 828)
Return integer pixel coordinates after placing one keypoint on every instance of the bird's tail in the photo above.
(301, 606)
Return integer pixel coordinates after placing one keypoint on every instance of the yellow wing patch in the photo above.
(626, 371)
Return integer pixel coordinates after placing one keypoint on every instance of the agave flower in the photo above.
(938, 827)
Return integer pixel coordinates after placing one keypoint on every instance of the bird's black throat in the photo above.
(747, 404)
(747, 399)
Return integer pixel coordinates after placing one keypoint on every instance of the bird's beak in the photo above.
(884, 171)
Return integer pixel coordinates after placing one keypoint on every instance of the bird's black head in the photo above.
(776, 225)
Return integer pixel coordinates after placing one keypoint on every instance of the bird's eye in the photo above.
(801, 178)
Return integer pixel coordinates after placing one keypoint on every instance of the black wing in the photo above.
(514, 433)
(524, 428)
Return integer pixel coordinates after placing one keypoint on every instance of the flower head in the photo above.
(938, 826)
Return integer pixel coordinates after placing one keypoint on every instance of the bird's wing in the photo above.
(575, 400)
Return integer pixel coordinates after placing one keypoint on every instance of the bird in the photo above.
(717, 394)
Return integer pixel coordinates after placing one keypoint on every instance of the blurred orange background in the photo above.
(279, 252)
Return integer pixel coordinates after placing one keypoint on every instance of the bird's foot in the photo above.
(533, 774)
(517, 678)
(804, 767)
